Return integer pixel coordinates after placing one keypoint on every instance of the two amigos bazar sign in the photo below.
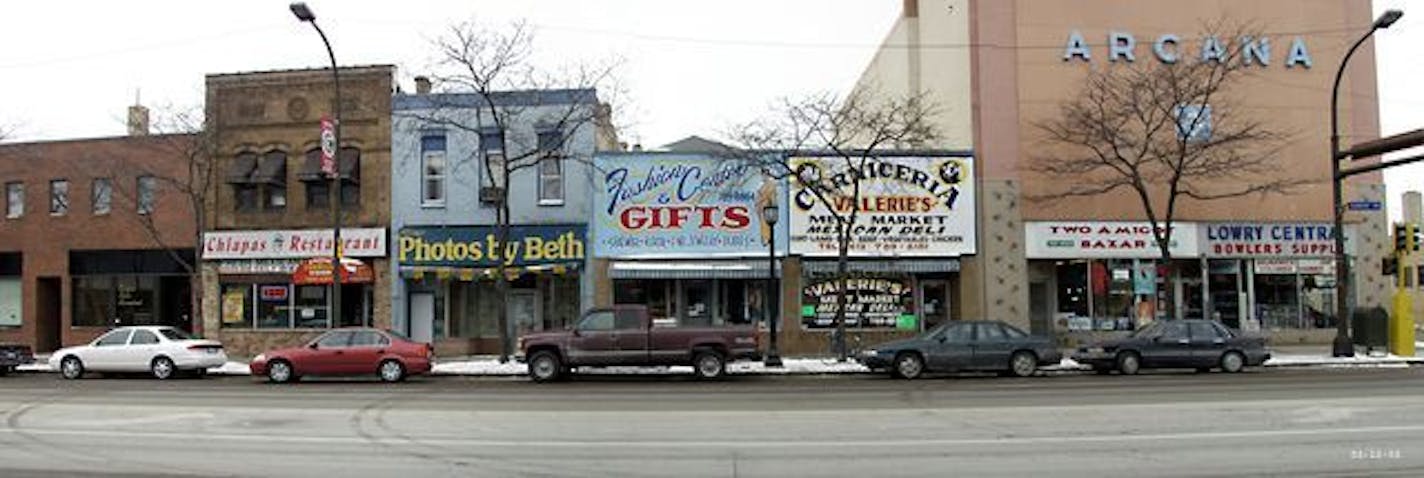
(908, 206)
(665, 205)
(479, 246)
(1135, 240)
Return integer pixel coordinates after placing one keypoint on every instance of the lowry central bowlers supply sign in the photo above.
(680, 205)
(1294, 239)
(912, 206)
(479, 246)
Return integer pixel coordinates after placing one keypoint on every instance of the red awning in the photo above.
(317, 270)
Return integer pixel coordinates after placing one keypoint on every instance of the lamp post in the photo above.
(771, 213)
(1342, 345)
(305, 14)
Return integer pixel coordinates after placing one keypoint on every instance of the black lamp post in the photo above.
(305, 14)
(1343, 346)
(771, 213)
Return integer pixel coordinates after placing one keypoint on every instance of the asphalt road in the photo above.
(1330, 422)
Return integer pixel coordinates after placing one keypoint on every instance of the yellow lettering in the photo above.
(533, 249)
(407, 246)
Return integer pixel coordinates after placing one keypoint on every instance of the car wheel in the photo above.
(279, 371)
(708, 364)
(545, 367)
(392, 371)
(1232, 362)
(909, 365)
(1023, 363)
(162, 368)
(71, 368)
(1129, 363)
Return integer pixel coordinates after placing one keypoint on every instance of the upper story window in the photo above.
(14, 200)
(58, 197)
(492, 149)
(272, 178)
(102, 195)
(432, 171)
(239, 175)
(147, 188)
(551, 171)
(259, 183)
(318, 186)
(349, 167)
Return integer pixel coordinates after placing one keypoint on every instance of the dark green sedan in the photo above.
(961, 346)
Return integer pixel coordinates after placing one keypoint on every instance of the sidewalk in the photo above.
(488, 365)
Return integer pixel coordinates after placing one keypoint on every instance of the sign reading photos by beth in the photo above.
(907, 206)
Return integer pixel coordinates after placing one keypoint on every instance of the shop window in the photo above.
(561, 302)
(697, 303)
(93, 301)
(312, 308)
(273, 306)
(236, 305)
(655, 294)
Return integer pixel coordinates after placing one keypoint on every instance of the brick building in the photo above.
(94, 236)
(273, 208)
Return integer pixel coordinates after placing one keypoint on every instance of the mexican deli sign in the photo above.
(1268, 239)
(665, 205)
(872, 302)
(906, 207)
(1105, 240)
(479, 246)
(292, 244)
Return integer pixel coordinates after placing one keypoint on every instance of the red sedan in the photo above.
(353, 351)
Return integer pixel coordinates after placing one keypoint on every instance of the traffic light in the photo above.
(1415, 238)
(1401, 238)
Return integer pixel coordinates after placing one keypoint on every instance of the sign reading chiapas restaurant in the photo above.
(680, 205)
(907, 206)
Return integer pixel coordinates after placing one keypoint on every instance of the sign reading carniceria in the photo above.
(907, 206)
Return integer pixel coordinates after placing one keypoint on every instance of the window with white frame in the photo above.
(492, 147)
(58, 197)
(432, 171)
(102, 195)
(14, 200)
(551, 173)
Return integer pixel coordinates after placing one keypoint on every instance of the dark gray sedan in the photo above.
(1194, 343)
(964, 346)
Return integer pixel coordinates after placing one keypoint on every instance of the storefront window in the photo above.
(135, 301)
(697, 303)
(312, 308)
(236, 305)
(274, 306)
(93, 301)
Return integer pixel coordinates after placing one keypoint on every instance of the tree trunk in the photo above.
(1170, 280)
(842, 263)
(502, 281)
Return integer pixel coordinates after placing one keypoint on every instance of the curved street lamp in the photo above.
(304, 13)
(1343, 346)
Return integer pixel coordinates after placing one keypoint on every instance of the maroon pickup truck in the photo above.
(624, 335)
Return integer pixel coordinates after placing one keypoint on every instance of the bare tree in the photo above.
(1166, 133)
(182, 163)
(846, 133)
(494, 66)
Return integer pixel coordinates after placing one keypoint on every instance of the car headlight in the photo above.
(869, 352)
(260, 358)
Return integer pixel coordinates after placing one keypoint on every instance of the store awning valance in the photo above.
(478, 273)
(909, 266)
(728, 269)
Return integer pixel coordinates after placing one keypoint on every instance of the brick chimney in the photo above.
(422, 85)
(138, 120)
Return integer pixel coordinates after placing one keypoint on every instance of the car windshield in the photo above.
(175, 334)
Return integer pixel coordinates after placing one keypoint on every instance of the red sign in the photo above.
(273, 293)
(328, 146)
(317, 271)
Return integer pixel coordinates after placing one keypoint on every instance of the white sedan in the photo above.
(162, 351)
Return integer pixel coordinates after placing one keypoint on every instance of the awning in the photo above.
(272, 169)
(317, 271)
(468, 274)
(311, 167)
(909, 266)
(350, 164)
(241, 169)
(711, 269)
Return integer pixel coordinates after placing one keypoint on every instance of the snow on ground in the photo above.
(231, 368)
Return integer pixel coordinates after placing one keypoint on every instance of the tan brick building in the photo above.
(273, 208)
(94, 235)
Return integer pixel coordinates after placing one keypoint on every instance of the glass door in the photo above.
(1225, 286)
(934, 303)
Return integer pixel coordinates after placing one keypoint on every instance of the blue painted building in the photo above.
(446, 149)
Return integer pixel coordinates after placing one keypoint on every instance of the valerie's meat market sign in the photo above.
(1105, 240)
(910, 206)
(1268, 239)
(283, 244)
(668, 205)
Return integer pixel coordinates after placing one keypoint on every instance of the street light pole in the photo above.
(1343, 347)
(305, 14)
(771, 213)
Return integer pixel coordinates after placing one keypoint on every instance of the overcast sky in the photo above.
(72, 67)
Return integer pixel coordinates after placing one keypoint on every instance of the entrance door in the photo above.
(48, 300)
(1040, 320)
(11, 302)
(422, 316)
(1224, 285)
(934, 295)
(523, 311)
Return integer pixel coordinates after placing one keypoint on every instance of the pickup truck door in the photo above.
(595, 340)
(631, 336)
